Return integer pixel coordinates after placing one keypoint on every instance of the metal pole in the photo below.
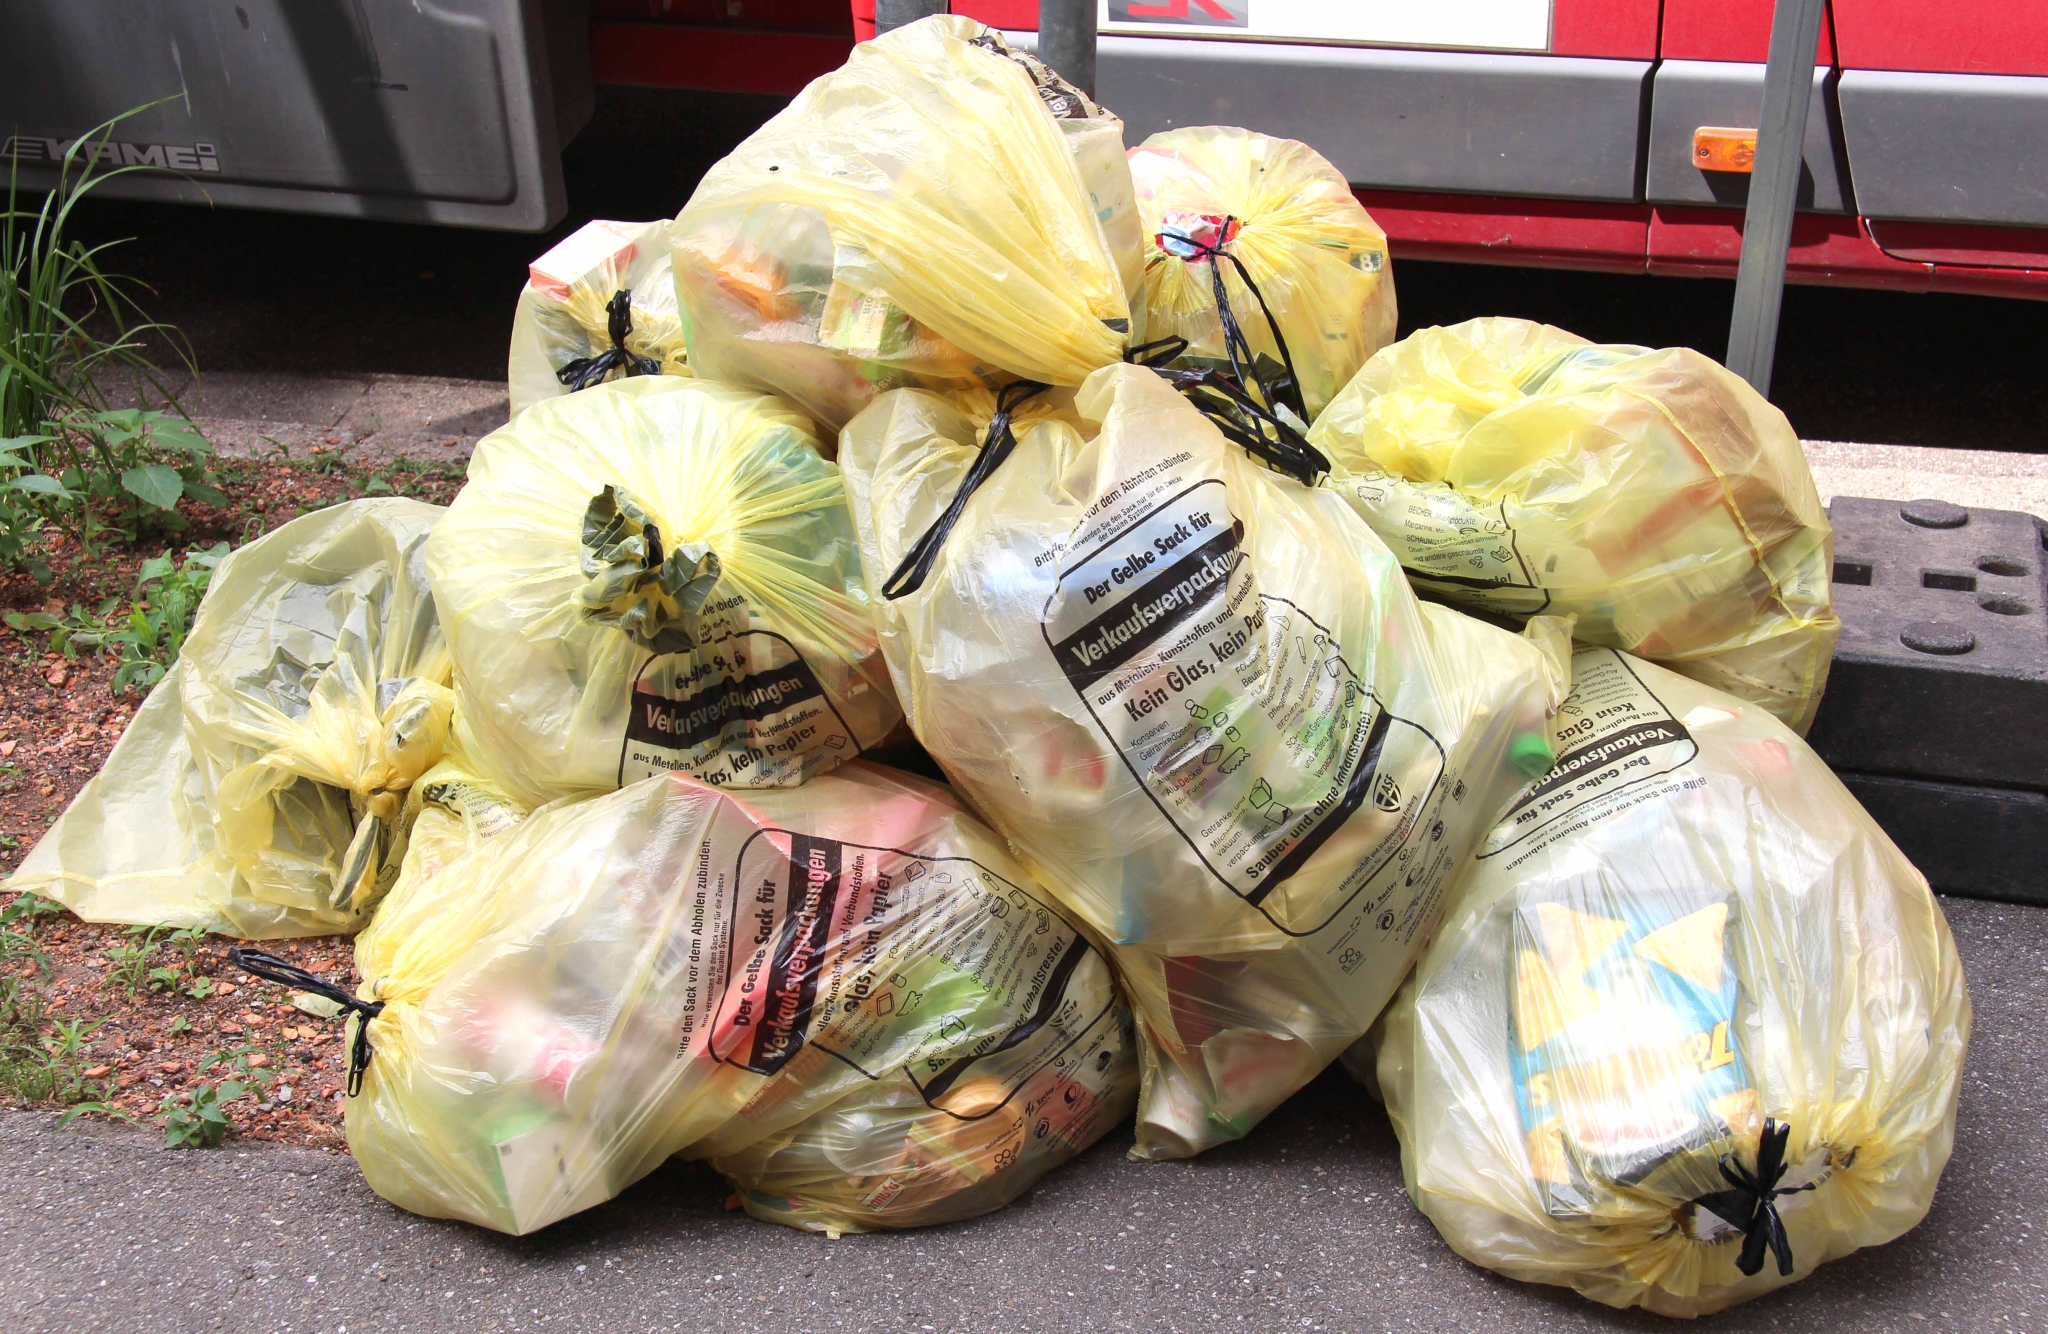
(1773, 191)
(1066, 40)
(895, 13)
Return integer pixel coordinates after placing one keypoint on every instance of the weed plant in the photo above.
(68, 327)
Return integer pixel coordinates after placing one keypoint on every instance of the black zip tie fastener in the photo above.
(1191, 249)
(1244, 420)
(1752, 1205)
(273, 969)
(997, 445)
(587, 371)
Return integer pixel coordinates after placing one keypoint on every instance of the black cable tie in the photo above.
(273, 969)
(1752, 1206)
(587, 371)
(996, 446)
(1236, 346)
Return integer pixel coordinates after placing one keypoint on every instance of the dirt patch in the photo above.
(127, 1017)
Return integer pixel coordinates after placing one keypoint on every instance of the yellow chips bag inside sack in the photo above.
(846, 995)
(1686, 946)
(1277, 208)
(1517, 468)
(923, 215)
(657, 575)
(260, 789)
(1201, 700)
(600, 305)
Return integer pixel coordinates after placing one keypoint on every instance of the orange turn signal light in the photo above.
(1718, 148)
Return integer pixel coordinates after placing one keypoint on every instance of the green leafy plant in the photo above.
(68, 328)
(199, 1119)
(27, 908)
(152, 633)
(178, 1025)
(165, 978)
(166, 598)
(128, 965)
(71, 1036)
(199, 988)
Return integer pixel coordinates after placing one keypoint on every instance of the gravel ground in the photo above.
(1301, 1227)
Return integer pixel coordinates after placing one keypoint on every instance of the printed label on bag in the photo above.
(1237, 713)
(889, 960)
(744, 709)
(1444, 541)
(1617, 744)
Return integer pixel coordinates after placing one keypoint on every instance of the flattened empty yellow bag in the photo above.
(657, 575)
(1684, 962)
(1278, 209)
(1518, 468)
(600, 305)
(848, 996)
(1201, 700)
(938, 211)
(260, 790)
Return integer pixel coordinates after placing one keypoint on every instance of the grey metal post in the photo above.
(1773, 191)
(895, 13)
(1066, 40)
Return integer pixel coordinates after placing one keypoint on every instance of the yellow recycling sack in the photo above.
(1517, 468)
(1201, 701)
(657, 575)
(848, 996)
(599, 305)
(939, 211)
(1693, 1027)
(1307, 284)
(260, 789)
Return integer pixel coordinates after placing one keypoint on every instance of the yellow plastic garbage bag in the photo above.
(600, 305)
(939, 211)
(1517, 468)
(1308, 290)
(1684, 962)
(847, 995)
(1201, 701)
(657, 575)
(260, 790)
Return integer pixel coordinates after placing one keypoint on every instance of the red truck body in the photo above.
(1871, 53)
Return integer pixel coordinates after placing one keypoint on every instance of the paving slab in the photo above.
(1303, 1226)
(372, 418)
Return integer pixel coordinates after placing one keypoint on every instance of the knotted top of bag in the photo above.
(942, 172)
(641, 505)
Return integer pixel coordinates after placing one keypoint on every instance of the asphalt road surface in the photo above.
(274, 292)
(1301, 1227)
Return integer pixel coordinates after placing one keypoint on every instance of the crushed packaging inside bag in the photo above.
(1693, 1025)
(940, 211)
(1202, 702)
(657, 575)
(1307, 291)
(1516, 468)
(260, 790)
(600, 305)
(847, 996)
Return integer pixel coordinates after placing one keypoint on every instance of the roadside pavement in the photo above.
(1303, 1226)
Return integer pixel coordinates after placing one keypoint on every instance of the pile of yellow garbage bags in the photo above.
(1301, 694)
